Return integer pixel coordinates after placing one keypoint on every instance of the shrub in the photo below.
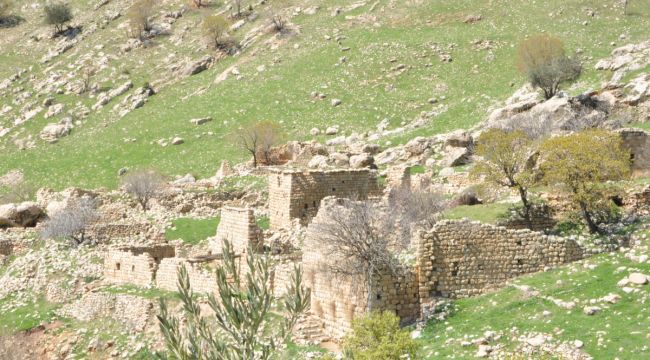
(583, 163)
(71, 222)
(378, 336)
(543, 60)
(57, 14)
(138, 15)
(214, 29)
(279, 23)
(143, 185)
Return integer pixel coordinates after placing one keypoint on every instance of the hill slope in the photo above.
(384, 59)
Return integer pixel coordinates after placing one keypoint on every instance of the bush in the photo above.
(57, 14)
(543, 60)
(214, 29)
(379, 336)
(138, 15)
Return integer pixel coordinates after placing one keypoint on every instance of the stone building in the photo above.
(296, 194)
(453, 259)
(637, 142)
(135, 265)
(238, 225)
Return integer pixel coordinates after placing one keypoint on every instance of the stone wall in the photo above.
(462, 258)
(136, 265)
(238, 225)
(201, 273)
(638, 201)
(297, 194)
(103, 232)
(281, 272)
(6, 247)
(399, 177)
(638, 142)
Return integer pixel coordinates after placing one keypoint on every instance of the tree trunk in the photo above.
(523, 194)
(593, 227)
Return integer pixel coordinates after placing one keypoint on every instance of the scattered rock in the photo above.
(177, 141)
(336, 102)
(361, 161)
(198, 66)
(201, 121)
(638, 279)
(332, 130)
(591, 310)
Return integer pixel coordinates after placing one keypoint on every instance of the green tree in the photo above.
(214, 29)
(583, 162)
(378, 336)
(543, 60)
(244, 328)
(57, 14)
(505, 161)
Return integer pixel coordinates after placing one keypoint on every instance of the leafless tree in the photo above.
(411, 209)
(71, 222)
(143, 185)
(258, 139)
(358, 236)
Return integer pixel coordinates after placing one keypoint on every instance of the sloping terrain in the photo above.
(383, 59)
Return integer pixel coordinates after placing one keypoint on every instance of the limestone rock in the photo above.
(198, 66)
(314, 132)
(332, 130)
(177, 141)
(201, 121)
(225, 169)
(455, 156)
(54, 131)
(361, 161)
(638, 279)
(340, 159)
(23, 214)
(318, 162)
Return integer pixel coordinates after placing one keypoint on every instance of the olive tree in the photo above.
(505, 161)
(243, 327)
(258, 139)
(543, 60)
(72, 221)
(143, 185)
(583, 163)
(57, 14)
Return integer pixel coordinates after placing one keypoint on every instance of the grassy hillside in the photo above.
(618, 330)
(278, 75)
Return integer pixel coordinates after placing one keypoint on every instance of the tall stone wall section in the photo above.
(238, 225)
(461, 258)
(637, 142)
(297, 194)
(281, 272)
(136, 265)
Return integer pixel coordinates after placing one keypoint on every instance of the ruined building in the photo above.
(637, 142)
(296, 194)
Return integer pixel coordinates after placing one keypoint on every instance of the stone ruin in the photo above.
(455, 258)
(135, 265)
(238, 225)
(296, 194)
(637, 142)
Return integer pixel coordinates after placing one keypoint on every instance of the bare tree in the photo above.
(411, 209)
(358, 236)
(237, 5)
(143, 185)
(71, 222)
(138, 15)
(258, 139)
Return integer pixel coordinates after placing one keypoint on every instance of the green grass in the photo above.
(147, 293)
(624, 324)
(485, 213)
(410, 32)
(25, 317)
(192, 231)
(264, 222)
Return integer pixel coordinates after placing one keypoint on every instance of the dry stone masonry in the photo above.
(238, 225)
(135, 265)
(637, 142)
(296, 194)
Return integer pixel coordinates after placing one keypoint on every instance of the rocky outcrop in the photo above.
(54, 131)
(26, 214)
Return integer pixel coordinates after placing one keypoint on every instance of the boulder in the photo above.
(455, 156)
(638, 279)
(332, 130)
(361, 161)
(201, 121)
(198, 66)
(459, 138)
(371, 149)
(187, 179)
(54, 131)
(340, 159)
(314, 132)
(177, 141)
(318, 162)
(417, 146)
(25, 214)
